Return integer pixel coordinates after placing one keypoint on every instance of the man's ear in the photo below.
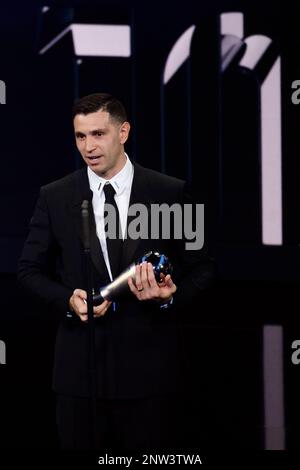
(124, 132)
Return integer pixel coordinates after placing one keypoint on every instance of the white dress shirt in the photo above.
(122, 183)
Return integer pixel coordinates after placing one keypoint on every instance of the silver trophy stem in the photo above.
(118, 285)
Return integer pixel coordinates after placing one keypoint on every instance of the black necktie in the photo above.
(115, 242)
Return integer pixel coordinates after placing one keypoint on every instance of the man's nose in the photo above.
(90, 144)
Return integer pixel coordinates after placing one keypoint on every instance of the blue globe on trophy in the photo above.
(160, 262)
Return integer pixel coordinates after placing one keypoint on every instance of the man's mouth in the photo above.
(95, 158)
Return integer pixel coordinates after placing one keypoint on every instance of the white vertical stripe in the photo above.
(232, 23)
(273, 387)
(271, 157)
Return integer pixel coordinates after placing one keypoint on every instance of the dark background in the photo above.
(193, 128)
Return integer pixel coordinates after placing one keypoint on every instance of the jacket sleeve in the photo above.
(36, 269)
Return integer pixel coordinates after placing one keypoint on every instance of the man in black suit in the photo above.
(137, 347)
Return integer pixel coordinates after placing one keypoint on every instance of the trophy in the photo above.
(161, 266)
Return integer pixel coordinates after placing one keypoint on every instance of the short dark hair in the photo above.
(104, 101)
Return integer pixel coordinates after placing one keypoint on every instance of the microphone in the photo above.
(85, 225)
(160, 263)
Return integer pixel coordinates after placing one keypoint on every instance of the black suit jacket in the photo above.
(137, 345)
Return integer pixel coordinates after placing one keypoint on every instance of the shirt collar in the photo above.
(119, 181)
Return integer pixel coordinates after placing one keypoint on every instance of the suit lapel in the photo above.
(81, 192)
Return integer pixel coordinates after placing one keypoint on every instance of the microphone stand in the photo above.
(91, 323)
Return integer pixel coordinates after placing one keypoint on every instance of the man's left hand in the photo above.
(147, 288)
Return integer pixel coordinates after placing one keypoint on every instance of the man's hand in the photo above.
(78, 305)
(146, 287)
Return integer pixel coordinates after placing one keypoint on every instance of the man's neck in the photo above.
(114, 171)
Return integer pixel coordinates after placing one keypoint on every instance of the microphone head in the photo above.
(85, 204)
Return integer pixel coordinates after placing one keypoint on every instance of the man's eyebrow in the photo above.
(93, 132)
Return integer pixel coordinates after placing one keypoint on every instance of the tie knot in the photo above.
(109, 192)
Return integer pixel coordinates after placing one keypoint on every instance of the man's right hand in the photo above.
(77, 304)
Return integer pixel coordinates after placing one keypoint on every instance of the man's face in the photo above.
(100, 140)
